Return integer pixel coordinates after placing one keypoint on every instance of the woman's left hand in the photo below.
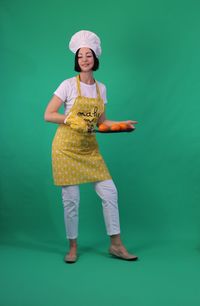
(130, 123)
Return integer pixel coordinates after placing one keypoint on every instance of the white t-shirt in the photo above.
(67, 92)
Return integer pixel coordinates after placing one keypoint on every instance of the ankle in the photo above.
(116, 244)
(73, 247)
(72, 243)
(116, 240)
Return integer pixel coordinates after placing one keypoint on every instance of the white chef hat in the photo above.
(87, 39)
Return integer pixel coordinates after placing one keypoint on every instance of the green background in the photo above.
(150, 65)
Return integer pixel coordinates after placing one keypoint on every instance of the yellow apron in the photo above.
(75, 154)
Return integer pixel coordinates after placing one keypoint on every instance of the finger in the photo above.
(131, 126)
(134, 122)
(131, 122)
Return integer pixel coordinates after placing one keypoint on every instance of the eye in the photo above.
(87, 56)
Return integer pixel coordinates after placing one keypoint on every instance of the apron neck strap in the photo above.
(79, 87)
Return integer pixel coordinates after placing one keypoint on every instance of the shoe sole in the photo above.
(70, 262)
(123, 258)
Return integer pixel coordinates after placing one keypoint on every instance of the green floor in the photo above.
(167, 273)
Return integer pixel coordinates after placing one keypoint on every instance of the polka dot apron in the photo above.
(75, 154)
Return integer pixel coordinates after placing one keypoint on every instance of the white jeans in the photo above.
(107, 191)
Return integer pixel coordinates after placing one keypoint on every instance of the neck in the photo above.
(87, 77)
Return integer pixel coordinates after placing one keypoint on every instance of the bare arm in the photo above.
(51, 113)
(104, 120)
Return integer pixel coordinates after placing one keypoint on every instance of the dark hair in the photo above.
(77, 67)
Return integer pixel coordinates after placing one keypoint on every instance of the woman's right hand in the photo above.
(76, 123)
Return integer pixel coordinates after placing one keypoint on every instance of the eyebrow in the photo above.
(86, 52)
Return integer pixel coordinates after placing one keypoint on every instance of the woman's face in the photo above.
(85, 59)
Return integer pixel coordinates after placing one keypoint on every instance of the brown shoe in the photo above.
(122, 253)
(70, 258)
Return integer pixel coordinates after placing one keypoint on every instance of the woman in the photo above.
(75, 155)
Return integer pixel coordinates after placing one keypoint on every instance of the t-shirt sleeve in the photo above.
(62, 91)
(104, 94)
